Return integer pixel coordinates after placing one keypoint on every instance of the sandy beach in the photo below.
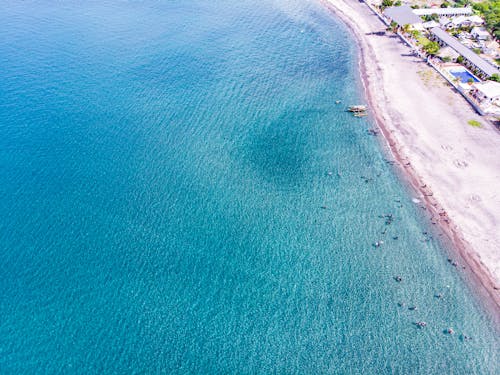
(453, 167)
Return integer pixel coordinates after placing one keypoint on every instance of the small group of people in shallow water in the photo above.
(389, 219)
(422, 324)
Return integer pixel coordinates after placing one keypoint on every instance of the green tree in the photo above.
(460, 59)
(431, 17)
(495, 77)
(393, 27)
(386, 3)
(415, 33)
(431, 48)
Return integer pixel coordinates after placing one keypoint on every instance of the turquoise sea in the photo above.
(180, 193)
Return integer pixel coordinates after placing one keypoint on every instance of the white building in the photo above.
(430, 24)
(443, 11)
(487, 95)
(488, 91)
(476, 20)
(446, 23)
(480, 33)
(460, 21)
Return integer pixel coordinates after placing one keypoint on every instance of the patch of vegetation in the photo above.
(474, 123)
(416, 34)
(431, 17)
(432, 48)
(477, 50)
(422, 40)
(495, 77)
(430, 78)
(390, 3)
(461, 3)
(386, 4)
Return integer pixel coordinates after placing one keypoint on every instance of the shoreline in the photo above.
(385, 119)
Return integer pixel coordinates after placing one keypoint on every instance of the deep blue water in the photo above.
(163, 170)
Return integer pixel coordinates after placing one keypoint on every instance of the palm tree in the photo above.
(393, 27)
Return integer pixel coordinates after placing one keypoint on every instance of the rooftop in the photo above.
(470, 55)
(476, 19)
(458, 20)
(490, 89)
(480, 31)
(444, 21)
(402, 15)
(442, 11)
(430, 24)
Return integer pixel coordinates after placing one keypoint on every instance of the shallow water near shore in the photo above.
(180, 193)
